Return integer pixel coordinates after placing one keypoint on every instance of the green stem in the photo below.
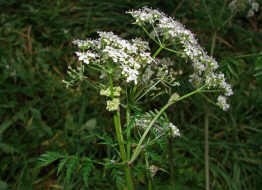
(173, 51)
(129, 180)
(139, 146)
(191, 93)
(213, 43)
(128, 132)
(170, 159)
(160, 44)
(148, 90)
(120, 139)
(148, 172)
(208, 99)
(226, 21)
(249, 55)
(94, 68)
(149, 35)
(211, 91)
(208, 14)
(119, 135)
(111, 85)
(158, 51)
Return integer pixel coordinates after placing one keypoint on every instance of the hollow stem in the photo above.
(158, 51)
(128, 133)
(149, 173)
(120, 140)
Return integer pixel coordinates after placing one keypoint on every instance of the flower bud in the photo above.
(174, 97)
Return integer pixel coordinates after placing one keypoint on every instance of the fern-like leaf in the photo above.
(48, 158)
(86, 170)
(61, 164)
(70, 166)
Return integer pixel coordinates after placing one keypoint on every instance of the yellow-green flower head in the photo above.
(113, 105)
(174, 97)
(107, 92)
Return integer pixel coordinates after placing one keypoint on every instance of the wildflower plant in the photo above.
(129, 71)
(249, 6)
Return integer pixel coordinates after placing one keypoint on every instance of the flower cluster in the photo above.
(107, 92)
(128, 56)
(237, 5)
(112, 105)
(160, 128)
(254, 8)
(162, 70)
(171, 31)
(222, 102)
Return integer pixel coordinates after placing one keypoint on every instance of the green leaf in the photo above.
(7, 148)
(86, 170)
(37, 117)
(90, 124)
(3, 185)
(5, 125)
(72, 163)
(48, 158)
(61, 165)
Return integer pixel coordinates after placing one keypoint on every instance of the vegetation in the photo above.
(53, 137)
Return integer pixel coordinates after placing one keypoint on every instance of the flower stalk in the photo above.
(120, 140)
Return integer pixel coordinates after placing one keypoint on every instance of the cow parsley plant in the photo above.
(130, 70)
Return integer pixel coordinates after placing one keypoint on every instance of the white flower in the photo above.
(153, 170)
(82, 56)
(171, 30)
(250, 13)
(255, 6)
(145, 15)
(86, 56)
(81, 43)
(233, 5)
(131, 74)
(174, 129)
(129, 56)
(221, 102)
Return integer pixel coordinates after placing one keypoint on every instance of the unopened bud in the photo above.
(174, 97)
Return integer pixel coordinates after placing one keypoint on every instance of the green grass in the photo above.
(38, 115)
